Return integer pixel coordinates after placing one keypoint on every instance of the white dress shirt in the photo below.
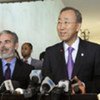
(74, 53)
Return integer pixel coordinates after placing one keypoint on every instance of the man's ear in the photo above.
(78, 26)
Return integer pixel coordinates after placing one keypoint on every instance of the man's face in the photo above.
(67, 26)
(26, 51)
(7, 46)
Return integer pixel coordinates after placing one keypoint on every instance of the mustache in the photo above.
(5, 49)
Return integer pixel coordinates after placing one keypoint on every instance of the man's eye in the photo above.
(66, 22)
(7, 41)
(59, 22)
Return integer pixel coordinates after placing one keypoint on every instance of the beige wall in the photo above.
(91, 16)
(34, 22)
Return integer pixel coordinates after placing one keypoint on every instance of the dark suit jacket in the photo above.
(86, 67)
(36, 63)
(20, 74)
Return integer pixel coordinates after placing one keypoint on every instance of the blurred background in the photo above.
(35, 21)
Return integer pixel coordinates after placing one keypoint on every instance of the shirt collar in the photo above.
(4, 62)
(29, 60)
(74, 45)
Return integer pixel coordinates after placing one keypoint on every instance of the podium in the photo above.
(11, 97)
(90, 96)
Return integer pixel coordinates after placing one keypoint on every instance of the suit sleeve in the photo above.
(46, 69)
(97, 72)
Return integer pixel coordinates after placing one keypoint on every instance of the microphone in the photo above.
(59, 89)
(36, 76)
(6, 86)
(47, 85)
(26, 92)
(64, 84)
(29, 92)
(9, 85)
(34, 86)
(56, 93)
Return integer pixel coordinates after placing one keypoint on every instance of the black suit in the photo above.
(86, 67)
(35, 62)
(20, 74)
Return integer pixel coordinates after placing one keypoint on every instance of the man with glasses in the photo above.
(73, 58)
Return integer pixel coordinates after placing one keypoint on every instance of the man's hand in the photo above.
(77, 86)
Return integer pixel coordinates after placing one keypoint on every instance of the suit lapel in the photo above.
(61, 61)
(1, 73)
(16, 69)
(79, 58)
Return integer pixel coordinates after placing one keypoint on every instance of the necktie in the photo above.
(7, 72)
(26, 61)
(70, 63)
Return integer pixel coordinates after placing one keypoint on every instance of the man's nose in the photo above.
(62, 26)
(2, 44)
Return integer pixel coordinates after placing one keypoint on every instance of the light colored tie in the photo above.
(8, 72)
(70, 63)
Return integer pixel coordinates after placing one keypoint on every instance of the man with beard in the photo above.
(18, 70)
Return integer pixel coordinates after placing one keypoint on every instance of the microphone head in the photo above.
(19, 91)
(36, 76)
(26, 92)
(9, 85)
(47, 85)
(35, 80)
(64, 84)
(2, 88)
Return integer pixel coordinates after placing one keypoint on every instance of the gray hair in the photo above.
(77, 13)
(15, 37)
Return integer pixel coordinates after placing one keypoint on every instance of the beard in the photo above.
(4, 55)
